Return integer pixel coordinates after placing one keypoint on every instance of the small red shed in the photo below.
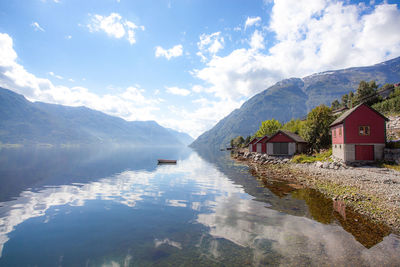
(261, 144)
(252, 144)
(359, 134)
(285, 143)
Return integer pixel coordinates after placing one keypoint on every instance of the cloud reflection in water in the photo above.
(223, 207)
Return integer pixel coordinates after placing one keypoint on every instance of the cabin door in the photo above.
(364, 152)
(281, 148)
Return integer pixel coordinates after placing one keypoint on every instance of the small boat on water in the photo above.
(166, 161)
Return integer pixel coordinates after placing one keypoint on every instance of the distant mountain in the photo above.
(22, 121)
(294, 98)
(182, 137)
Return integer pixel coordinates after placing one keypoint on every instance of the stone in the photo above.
(318, 164)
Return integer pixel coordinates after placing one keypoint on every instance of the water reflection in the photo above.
(193, 213)
(34, 167)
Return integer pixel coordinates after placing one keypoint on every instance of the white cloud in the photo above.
(177, 91)
(210, 44)
(251, 21)
(131, 104)
(175, 51)
(56, 76)
(37, 27)
(68, 37)
(257, 40)
(114, 26)
(310, 37)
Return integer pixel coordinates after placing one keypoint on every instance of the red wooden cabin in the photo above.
(285, 143)
(261, 146)
(359, 134)
(252, 144)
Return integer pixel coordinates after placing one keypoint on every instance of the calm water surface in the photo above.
(117, 207)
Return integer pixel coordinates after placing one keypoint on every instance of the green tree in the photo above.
(316, 128)
(247, 140)
(268, 127)
(335, 104)
(294, 126)
(345, 100)
(237, 141)
(395, 93)
(366, 93)
(351, 100)
(387, 86)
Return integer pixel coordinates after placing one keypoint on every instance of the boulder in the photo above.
(318, 164)
(325, 165)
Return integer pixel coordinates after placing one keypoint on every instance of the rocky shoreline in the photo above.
(369, 190)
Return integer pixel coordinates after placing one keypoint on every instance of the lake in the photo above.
(114, 206)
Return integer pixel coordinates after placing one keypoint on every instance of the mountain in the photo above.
(25, 122)
(294, 98)
(182, 137)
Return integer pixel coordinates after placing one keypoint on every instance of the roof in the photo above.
(350, 111)
(336, 111)
(255, 138)
(261, 138)
(295, 137)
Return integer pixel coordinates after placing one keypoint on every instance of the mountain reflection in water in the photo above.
(209, 212)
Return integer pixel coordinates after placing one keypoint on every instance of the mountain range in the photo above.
(293, 98)
(25, 122)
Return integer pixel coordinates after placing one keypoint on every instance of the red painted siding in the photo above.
(254, 147)
(280, 138)
(255, 140)
(364, 152)
(364, 116)
(262, 140)
(337, 138)
(263, 147)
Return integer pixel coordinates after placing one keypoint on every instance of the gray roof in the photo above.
(297, 138)
(348, 112)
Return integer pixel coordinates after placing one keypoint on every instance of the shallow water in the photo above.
(116, 206)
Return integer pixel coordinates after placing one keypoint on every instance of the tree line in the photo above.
(371, 94)
(314, 130)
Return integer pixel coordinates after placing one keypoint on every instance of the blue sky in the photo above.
(185, 64)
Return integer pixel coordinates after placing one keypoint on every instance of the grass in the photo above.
(389, 165)
(322, 156)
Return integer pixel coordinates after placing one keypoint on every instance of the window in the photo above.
(363, 130)
(340, 131)
(334, 133)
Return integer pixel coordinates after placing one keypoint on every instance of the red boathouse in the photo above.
(359, 134)
(261, 144)
(252, 144)
(284, 143)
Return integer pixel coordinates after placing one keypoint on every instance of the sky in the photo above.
(183, 63)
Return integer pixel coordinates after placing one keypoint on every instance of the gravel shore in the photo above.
(369, 190)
